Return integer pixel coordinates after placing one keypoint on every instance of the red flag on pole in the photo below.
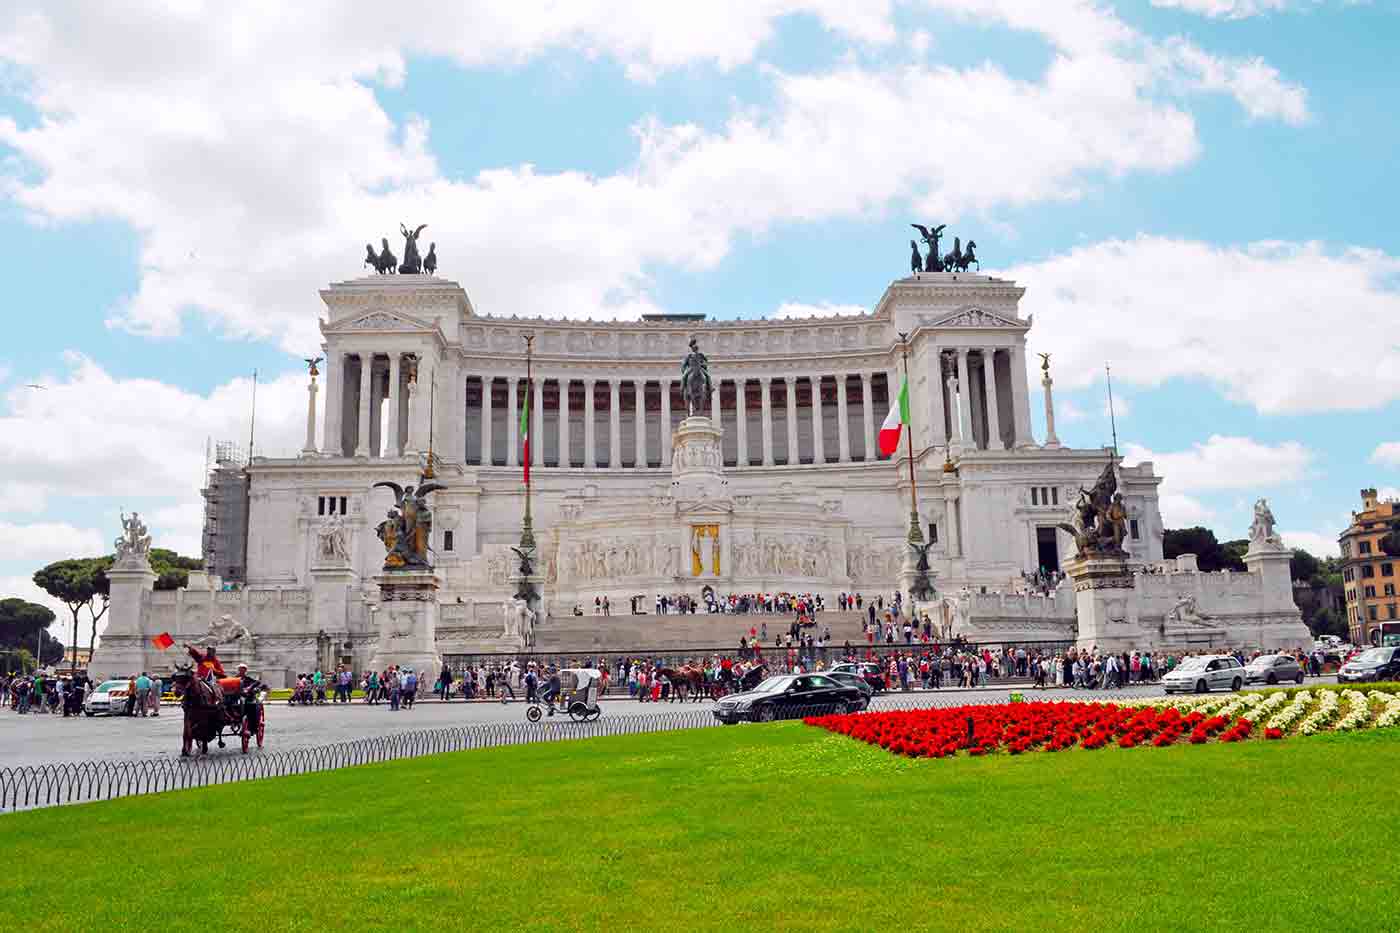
(163, 641)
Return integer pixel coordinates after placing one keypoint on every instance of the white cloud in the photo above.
(22, 587)
(43, 542)
(796, 309)
(1258, 320)
(107, 440)
(1387, 454)
(1227, 463)
(1069, 413)
(1254, 83)
(1221, 463)
(1224, 9)
(231, 140)
(1318, 544)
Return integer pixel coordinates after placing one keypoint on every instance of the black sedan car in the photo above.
(790, 696)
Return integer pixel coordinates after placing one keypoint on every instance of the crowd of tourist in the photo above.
(41, 693)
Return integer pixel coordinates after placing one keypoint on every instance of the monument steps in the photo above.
(675, 630)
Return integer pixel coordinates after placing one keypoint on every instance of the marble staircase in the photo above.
(622, 632)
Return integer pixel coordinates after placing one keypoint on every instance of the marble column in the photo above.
(818, 435)
(590, 429)
(376, 409)
(741, 421)
(843, 426)
(989, 379)
(867, 410)
(512, 421)
(614, 424)
(954, 410)
(310, 448)
(391, 445)
(766, 398)
(335, 395)
(1051, 440)
(362, 436)
(1020, 397)
(666, 422)
(537, 422)
(954, 523)
(965, 401)
(792, 452)
(486, 383)
(564, 459)
(714, 406)
(640, 422)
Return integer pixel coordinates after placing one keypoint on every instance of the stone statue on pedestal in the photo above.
(695, 380)
(1100, 519)
(408, 527)
(134, 545)
(1261, 530)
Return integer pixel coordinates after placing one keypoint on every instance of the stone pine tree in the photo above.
(24, 629)
(76, 582)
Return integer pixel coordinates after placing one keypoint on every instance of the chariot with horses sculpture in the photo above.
(216, 706)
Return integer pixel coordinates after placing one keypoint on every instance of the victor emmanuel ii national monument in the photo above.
(751, 467)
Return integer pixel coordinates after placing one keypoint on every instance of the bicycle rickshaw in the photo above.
(578, 696)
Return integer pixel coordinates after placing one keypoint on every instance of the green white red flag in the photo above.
(895, 421)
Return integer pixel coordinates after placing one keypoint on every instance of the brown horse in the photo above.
(203, 707)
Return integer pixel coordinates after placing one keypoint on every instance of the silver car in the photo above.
(1273, 669)
(1205, 672)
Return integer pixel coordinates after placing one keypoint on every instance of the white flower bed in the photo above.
(1266, 707)
(1358, 711)
(1390, 713)
(1326, 712)
(1291, 713)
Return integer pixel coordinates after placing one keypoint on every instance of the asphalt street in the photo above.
(40, 739)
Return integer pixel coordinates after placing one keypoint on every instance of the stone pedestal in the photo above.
(697, 460)
(332, 590)
(1106, 604)
(1278, 617)
(407, 621)
(124, 647)
(537, 605)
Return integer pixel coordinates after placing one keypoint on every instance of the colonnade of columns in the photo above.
(800, 420)
(986, 407)
(370, 405)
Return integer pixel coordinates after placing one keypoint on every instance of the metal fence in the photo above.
(32, 786)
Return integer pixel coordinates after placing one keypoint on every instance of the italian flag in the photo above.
(895, 421)
(525, 432)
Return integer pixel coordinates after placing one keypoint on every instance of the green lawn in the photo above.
(767, 827)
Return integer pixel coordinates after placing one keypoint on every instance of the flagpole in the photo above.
(527, 531)
(916, 534)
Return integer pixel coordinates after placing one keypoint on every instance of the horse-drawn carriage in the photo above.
(212, 713)
(578, 696)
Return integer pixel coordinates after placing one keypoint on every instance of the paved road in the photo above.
(31, 739)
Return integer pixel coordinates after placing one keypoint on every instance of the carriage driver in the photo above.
(209, 665)
(248, 688)
(551, 688)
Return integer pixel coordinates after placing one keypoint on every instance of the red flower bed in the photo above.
(1017, 728)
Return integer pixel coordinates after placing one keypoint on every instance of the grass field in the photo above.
(768, 827)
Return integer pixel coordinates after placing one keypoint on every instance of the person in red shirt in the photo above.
(208, 662)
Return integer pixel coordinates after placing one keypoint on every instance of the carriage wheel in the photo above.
(595, 713)
(533, 713)
(578, 712)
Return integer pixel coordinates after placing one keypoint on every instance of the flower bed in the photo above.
(1017, 728)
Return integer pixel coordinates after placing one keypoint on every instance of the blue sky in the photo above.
(1197, 191)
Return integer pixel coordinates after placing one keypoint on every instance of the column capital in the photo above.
(766, 380)
(790, 380)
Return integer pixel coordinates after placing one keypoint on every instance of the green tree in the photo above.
(172, 570)
(24, 627)
(1303, 566)
(77, 582)
(1211, 555)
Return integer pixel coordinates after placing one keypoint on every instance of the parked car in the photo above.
(789, 696)
(109, 698)
(1272, 669)
(1205, 672)
(1372, 664)
(853, 680)
(872, 673)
